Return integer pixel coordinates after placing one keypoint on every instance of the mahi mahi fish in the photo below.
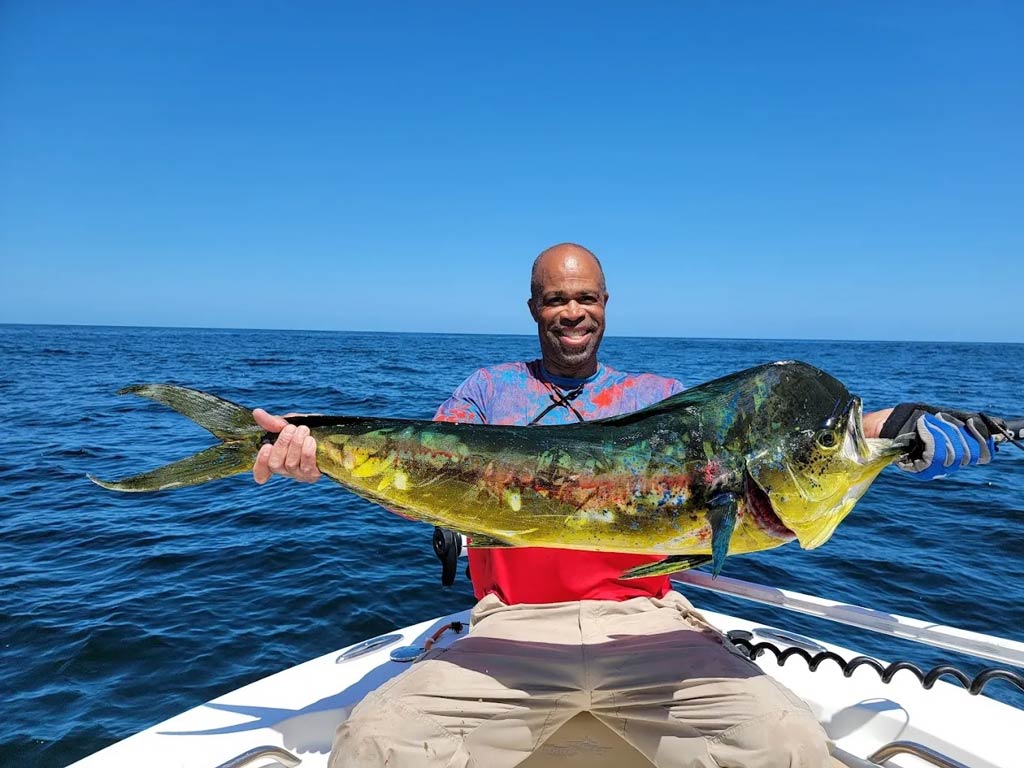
(743, 463)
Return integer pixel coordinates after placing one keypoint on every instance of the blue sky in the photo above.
(812, 170)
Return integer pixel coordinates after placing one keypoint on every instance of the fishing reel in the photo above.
(447, 547)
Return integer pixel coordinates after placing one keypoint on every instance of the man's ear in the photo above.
(533, 311)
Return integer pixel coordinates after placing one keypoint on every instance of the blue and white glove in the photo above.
(940, 441)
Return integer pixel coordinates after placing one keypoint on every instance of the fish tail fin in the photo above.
(214, 463)
(230, 422)
(226, 420)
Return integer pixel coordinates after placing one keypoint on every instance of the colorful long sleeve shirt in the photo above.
(523, 394)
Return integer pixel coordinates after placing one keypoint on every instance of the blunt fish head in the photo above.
(817, 463)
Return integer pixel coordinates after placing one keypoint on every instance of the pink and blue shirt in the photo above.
(517, 394)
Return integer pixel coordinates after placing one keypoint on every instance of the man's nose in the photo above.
(573, 312)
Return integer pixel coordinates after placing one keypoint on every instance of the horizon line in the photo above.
(523, 335)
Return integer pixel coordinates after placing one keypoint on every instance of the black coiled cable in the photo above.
(885, 672)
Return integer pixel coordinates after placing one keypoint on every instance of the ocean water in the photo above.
(118, 611)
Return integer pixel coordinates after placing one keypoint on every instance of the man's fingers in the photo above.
(268, 421)
(294, 455)
(260, 470)
(280, 450)
(308, 465)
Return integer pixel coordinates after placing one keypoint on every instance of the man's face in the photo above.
(569, 310)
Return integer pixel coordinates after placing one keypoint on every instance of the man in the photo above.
(558, 632)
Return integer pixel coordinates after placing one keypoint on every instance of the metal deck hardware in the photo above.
(927, 754)
(283, 757)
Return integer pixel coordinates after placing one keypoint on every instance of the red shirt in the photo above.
(516, 393)
(546, 575)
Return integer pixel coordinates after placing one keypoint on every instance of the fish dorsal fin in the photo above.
(721, 389)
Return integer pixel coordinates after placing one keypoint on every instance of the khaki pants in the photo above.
(652, 670)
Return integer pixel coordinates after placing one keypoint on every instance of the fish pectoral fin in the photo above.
(670, 564)
(722, 512)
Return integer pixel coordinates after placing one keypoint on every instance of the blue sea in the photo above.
(118, 611)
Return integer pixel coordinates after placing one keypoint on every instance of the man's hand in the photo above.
(941, 440)
(293, 454)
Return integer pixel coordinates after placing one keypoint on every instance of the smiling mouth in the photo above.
(574, 338)
(759, 507)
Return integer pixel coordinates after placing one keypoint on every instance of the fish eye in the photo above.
(826, 439)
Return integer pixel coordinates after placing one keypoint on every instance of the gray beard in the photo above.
(575, 358)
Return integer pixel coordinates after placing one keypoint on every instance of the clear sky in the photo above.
(843, 170)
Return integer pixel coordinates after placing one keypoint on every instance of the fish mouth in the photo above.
(759, 507)
(855, 444)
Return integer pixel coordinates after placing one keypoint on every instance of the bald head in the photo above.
(569, 255)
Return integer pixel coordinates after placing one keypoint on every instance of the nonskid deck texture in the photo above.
(298, 710)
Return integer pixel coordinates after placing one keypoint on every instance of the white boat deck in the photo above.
(298, 710)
